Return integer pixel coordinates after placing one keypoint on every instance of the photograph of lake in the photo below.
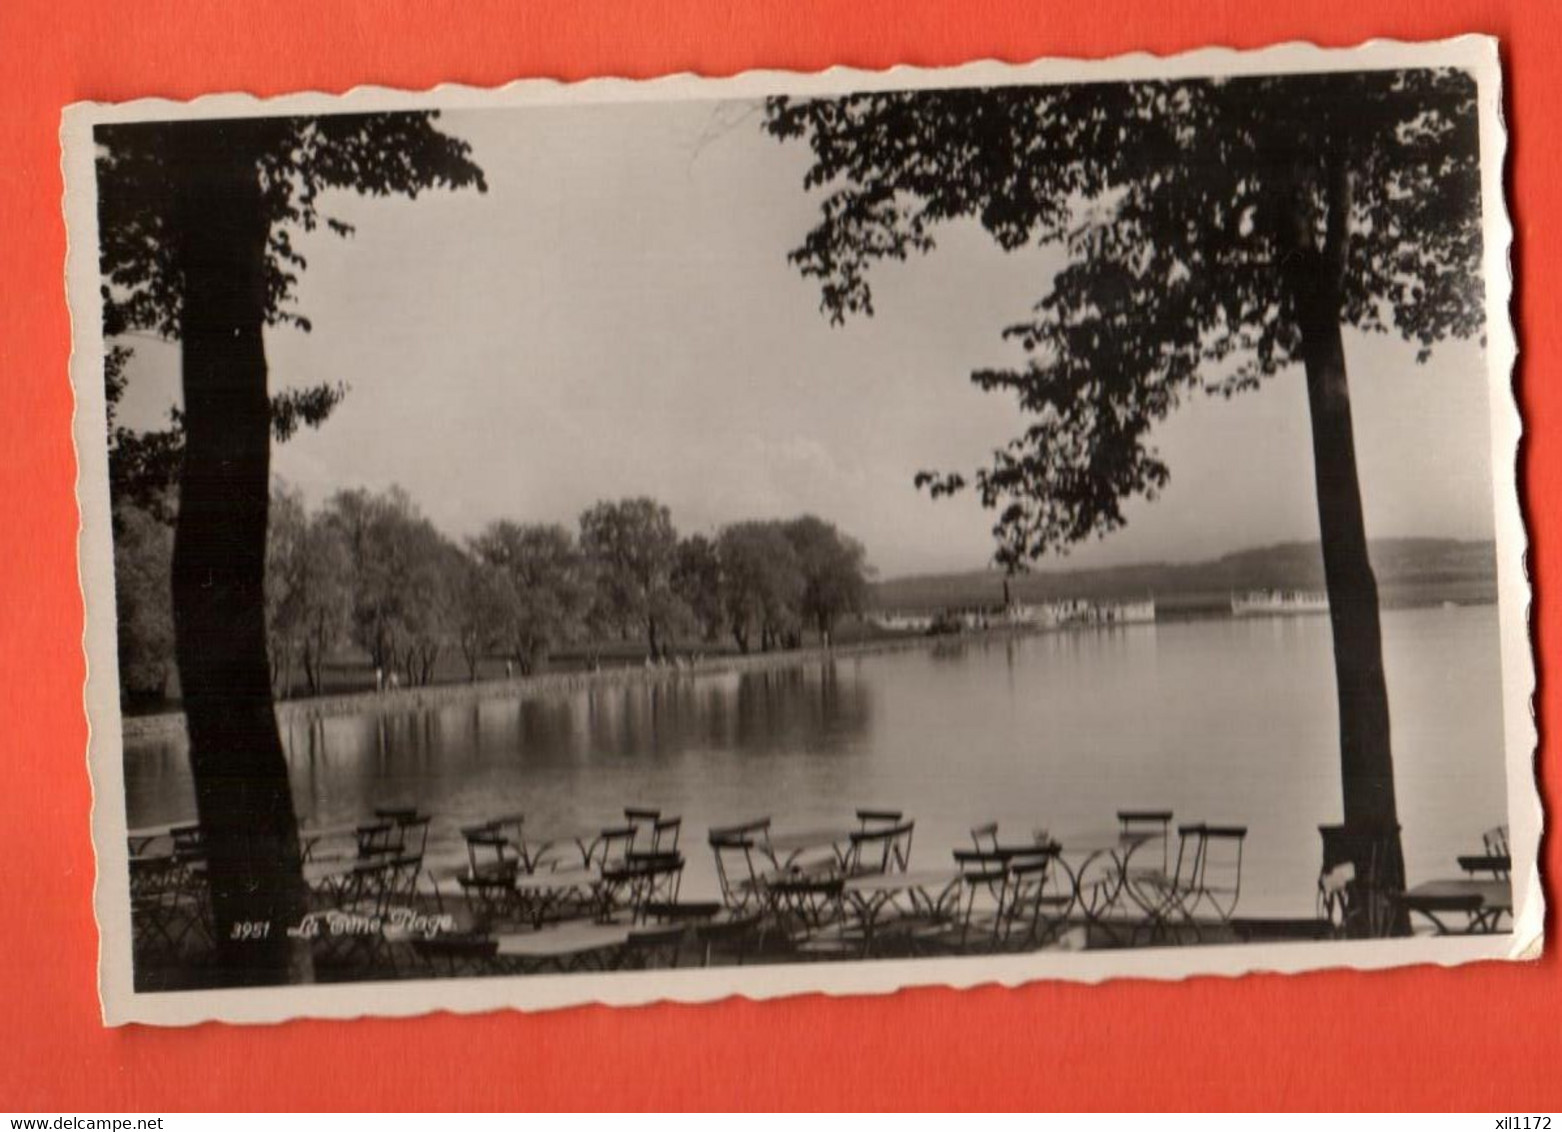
(1041, 518)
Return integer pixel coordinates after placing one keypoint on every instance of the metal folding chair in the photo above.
(165, 908)
(741, 852)
(639, 880)
(870, 819)
(1218, 883)
(661, 832)
(412, 833)
(360, 908)
(1037, 902)
(378, 839)
(611, 847)
(665, 833)
(1207, 877)
(983, 903)
(803, 906)
(883, 849)
(491, 852)
(985, 837)
(641, 818)
(1154, 823)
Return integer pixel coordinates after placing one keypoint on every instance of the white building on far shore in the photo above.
(902, 621)
(1065, 613)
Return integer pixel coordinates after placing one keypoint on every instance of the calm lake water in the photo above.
(1230, 721)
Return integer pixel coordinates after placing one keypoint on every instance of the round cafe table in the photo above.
(548, 893)
(585, 840)
(786, 848)
(1097, 866)
(929, 892)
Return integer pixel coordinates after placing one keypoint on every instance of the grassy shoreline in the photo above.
(170, 724)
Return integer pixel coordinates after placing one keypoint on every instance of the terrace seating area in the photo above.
(1358, 896)
(398, 893)
(513, 895)
(170, 911)
(1476, 901)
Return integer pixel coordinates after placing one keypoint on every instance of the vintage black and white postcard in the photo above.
(631, 541)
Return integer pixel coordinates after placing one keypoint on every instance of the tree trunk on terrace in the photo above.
(241, 779)
(1366, 753)
(311, 667)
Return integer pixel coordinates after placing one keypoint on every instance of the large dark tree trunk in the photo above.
(1366, 759)
(311, 669)
(1366, 752)
(314, 656)
(241, 778)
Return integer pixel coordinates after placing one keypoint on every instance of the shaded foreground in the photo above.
(610, 899)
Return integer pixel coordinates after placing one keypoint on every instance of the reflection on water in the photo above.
(1226, 720)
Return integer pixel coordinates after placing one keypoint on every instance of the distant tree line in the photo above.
(368, 572)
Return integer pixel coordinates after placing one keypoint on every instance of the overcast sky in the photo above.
(616, 317)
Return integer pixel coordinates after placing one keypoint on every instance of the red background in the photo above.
(1486, 1037)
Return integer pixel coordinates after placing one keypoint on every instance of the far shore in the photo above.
(170, 724)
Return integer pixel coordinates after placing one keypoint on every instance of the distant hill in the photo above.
(1410, 571)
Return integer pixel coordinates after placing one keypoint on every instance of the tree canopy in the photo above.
(143, 548)
(833, 568)
(367, 576)
(309, 590)
(697, 581)
(400, 590)
(1192, 213)
(541, 586)
(763, 582)
(140, 175)
(141, 180)
(633, 546)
